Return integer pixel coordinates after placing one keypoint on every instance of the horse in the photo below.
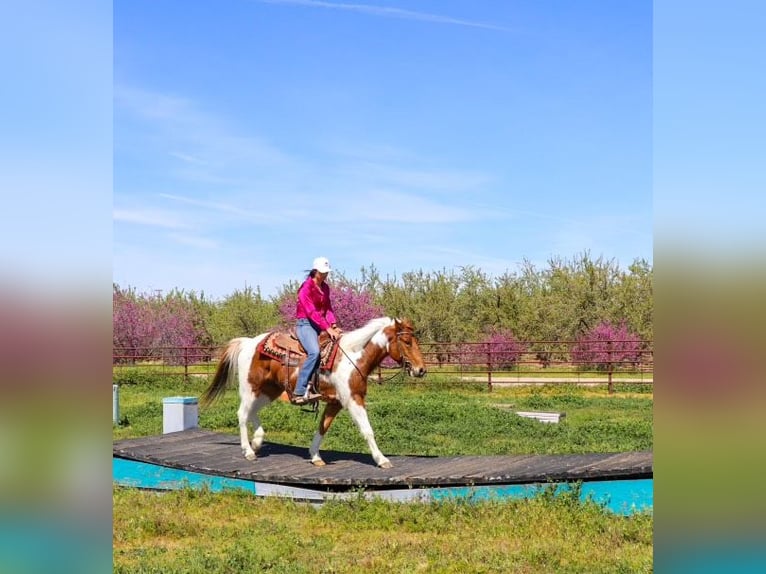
(262, 379)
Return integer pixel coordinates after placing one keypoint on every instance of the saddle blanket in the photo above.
(280, 345)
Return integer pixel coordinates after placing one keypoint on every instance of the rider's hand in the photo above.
(334, 333)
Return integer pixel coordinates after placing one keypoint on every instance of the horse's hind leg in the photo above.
(258, 434)
(243, 415)
(248, 413)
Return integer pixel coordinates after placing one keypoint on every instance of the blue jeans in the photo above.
(308, 335)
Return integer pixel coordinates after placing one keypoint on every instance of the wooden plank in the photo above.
(215, 453)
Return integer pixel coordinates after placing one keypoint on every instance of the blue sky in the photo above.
(251, 136)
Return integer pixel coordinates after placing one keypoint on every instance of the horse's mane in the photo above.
(356, 340)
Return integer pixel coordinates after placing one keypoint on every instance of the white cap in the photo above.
(321, 264)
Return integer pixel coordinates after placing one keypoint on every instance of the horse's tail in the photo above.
(225, 374)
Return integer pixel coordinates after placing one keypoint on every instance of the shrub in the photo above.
(499, 349)
(606, 347)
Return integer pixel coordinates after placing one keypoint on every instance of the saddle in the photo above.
(284, 346)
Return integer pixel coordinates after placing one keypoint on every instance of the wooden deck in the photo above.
(207, 452)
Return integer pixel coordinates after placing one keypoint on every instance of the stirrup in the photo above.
(305, 399)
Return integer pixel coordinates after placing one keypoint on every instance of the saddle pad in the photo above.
(277, 344)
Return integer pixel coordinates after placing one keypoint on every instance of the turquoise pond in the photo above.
(619, 496)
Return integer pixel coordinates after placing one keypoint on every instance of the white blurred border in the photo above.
(55, 285)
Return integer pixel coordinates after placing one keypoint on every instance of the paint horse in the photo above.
(263, 379)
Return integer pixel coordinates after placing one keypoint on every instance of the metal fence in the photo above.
(593, 362)
(529, 362)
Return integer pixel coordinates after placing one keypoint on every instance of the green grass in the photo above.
(201, 532)
(191, 531)
(429, 418)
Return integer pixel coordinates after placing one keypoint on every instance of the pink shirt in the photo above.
(314, 304)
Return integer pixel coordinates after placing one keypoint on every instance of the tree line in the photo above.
(562, 301)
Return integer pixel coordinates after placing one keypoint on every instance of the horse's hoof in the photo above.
(318, 462)
(386, 464)
(250, 455)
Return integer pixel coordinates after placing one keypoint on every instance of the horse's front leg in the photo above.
(358, 412)
(330, 410)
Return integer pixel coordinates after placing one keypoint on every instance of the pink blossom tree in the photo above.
(606, 347)
(353, 307)
(497, 349)
(154, 327)
(178, 330)
(132, 327)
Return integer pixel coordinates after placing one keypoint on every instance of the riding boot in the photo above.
(310, 395)
(312, 390)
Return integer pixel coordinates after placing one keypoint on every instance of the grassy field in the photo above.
(198, 531)
(433, 418)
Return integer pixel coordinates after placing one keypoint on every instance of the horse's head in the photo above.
(404, 348)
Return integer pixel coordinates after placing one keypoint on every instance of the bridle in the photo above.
(404, 363)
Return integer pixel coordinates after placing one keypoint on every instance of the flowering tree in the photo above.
(353, 307)
(607, 346)
(154, 327)
(499, 349)
(132, 327)
(178, 329)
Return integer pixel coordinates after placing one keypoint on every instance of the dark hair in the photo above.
(312, 273)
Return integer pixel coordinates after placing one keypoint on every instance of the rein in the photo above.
(315, 406)
(392, 377)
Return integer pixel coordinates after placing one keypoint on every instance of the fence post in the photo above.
(489, 367)
(609, 366)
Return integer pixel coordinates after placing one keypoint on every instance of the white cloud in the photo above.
(153, 105)
(389, 12)
(418, 178)
(394, 206)
(151, 218)
(194, 241)
(178, 123)
(187, 158)
(239, 211)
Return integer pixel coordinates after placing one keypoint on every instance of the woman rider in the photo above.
(314, 314)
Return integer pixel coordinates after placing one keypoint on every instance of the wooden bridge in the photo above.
(285, 467)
